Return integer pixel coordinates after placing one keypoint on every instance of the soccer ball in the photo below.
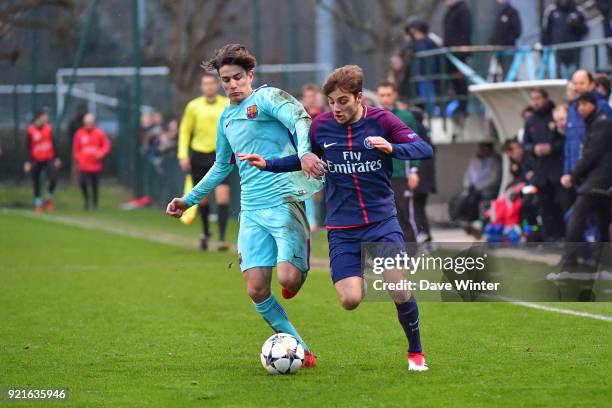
(282, 354)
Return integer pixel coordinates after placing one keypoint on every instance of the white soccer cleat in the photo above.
(416, 362)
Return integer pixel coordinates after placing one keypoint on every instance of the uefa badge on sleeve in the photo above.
(252, 112)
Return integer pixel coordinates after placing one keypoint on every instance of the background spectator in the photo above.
(564, 22)
(387, 96)
(481, 183)
(422, 181)
(42, 156)
(423, 67)
(312, 100)
(582, 81)
(593, 175)
(75, 124)
(546, 147)
(602, 86)
(506, 30)
(458, 31)
(89, 148)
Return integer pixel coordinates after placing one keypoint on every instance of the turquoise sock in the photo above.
(38, 201)
(274, 314)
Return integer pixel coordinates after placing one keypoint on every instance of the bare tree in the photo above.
(194, 25)
(17, 15)
(383, 33)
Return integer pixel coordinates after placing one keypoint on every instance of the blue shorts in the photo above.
(272, 235)
(345, 245)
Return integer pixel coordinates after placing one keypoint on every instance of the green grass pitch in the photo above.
(128, 322)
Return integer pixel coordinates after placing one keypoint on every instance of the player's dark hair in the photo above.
(387, 84)
(348, 78)
(604, 81)
(231, 54)
(543, 93)
(507, 146)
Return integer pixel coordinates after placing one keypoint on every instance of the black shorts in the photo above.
(200, 164)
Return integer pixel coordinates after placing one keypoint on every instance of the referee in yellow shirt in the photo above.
(196, 151)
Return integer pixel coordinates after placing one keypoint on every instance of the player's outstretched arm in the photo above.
(176, 207)
(313, 166)
(253, 159)
(281, 165)
(418, 150)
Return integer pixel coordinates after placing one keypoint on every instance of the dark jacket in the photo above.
(538, 129)
(604, 6)
(426, 65)
(426, 168)
(507, 28)
(457, 25)
(593, 173)
(561, 25)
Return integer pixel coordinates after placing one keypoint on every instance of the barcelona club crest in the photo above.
(252, 112)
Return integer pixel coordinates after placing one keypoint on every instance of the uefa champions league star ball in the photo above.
(282, 354)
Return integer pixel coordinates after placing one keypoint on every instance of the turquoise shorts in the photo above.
(272, 235)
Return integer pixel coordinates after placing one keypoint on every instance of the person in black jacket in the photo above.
(564, 22)
(457, 32)
(506, 30)
(592, 175)
(422, 181)
(546, 149)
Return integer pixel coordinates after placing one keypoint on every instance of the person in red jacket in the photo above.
(42, 156)
(89, 148)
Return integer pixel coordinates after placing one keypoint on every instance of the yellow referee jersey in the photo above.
(198, 129)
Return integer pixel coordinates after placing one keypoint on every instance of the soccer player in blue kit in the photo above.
(274, 230)
(356, 145)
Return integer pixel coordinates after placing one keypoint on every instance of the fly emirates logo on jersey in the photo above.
(353, 164)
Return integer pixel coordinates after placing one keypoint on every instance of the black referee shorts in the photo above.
(200, 164)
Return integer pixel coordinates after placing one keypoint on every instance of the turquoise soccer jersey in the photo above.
(273, 124)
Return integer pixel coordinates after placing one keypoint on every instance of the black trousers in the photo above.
(93, 180)
(585, 205)
(405, 208)
(37, 169)
(420, 216)
(553, 202)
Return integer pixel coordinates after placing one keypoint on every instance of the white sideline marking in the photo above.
(562, 311)
(185, 242)
(152, 236)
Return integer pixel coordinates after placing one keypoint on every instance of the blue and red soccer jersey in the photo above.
(359, 198)
(358, 183)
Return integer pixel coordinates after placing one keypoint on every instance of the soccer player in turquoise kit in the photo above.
(274, 230)
(356, 144)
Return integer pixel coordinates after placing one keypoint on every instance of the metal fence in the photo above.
(436, 75)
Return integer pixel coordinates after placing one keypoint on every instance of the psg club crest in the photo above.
(367, 143)
(252, 112)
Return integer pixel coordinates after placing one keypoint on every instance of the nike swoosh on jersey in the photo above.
(325, 145)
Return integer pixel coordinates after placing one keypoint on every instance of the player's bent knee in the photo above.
(258, 294)
(350, 302)
(290, 281)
